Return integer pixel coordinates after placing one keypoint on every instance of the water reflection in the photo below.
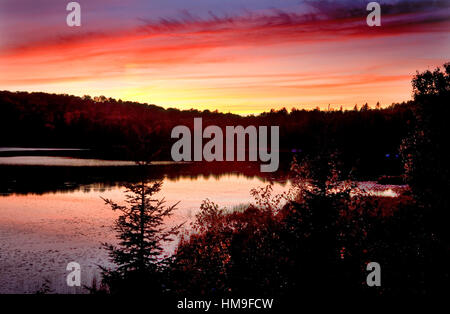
(32, 179)
(68, 220)
(52, 215)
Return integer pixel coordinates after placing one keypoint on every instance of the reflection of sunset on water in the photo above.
(45, 232)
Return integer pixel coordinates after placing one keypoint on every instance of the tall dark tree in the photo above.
(142, 234)
(425, 152)
(427, 157)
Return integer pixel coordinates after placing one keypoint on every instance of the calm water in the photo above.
(51, 212)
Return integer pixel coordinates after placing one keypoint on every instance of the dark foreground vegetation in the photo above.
(315, 240)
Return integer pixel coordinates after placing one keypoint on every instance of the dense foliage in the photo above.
(319, 241)
(318, 238)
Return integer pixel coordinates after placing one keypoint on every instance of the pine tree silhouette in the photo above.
(141, 233)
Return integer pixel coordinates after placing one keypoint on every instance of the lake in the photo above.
(51, 212)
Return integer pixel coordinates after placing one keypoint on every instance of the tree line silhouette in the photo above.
(366, 138)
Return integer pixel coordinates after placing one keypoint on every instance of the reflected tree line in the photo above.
(315, 239)
(51, 179)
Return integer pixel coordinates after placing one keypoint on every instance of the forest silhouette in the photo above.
(367, 138)
(317, 238)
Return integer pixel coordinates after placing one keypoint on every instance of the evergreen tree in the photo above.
(139, 252)
(365, 107)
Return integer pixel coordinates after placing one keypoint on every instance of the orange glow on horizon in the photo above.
(251, 67)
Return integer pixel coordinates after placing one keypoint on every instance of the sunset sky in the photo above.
(243, 56)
